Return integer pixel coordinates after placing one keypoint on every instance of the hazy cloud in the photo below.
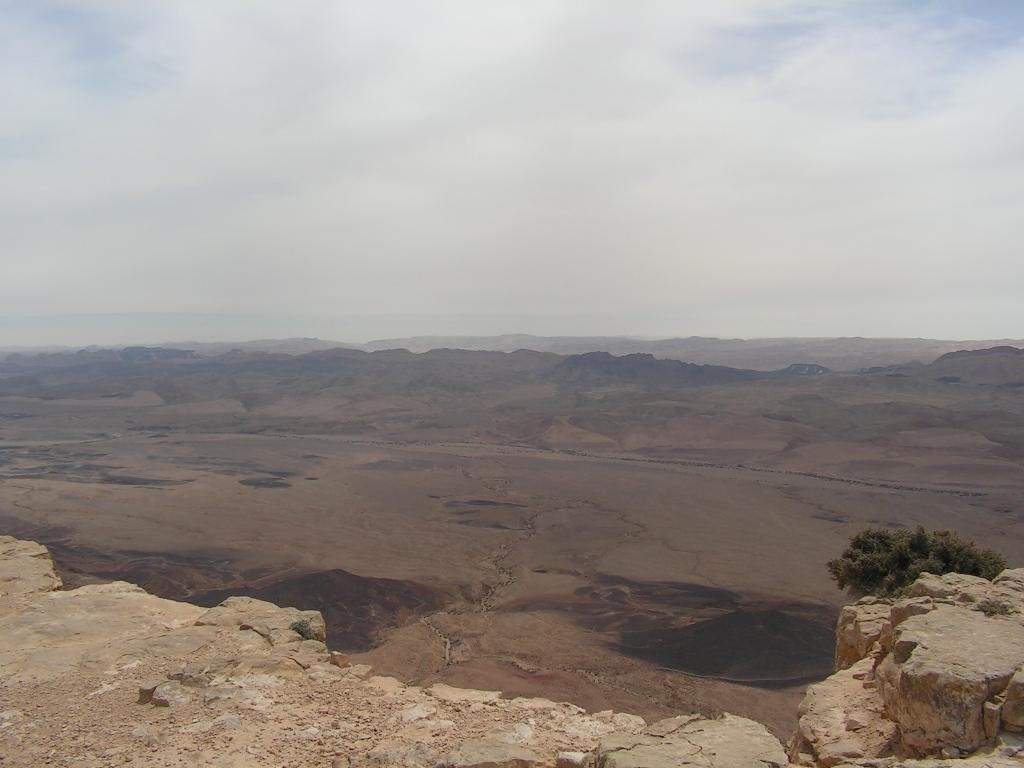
(746, 168)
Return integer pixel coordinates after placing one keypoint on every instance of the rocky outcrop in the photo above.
(859, 628)
(25, 568)
(108, 674)
(937, 673)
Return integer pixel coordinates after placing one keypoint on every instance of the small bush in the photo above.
(303, 629)
(884, 562)
(994, 608)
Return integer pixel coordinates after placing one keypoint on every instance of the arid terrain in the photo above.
(627, 532)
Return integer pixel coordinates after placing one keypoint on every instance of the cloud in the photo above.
(741, 168)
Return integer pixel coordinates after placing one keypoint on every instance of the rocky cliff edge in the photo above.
(109, 675)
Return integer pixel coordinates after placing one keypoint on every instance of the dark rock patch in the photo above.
(265, 482)
(706, 631)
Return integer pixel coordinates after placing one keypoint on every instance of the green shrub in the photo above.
(884, 562)
(303, 629)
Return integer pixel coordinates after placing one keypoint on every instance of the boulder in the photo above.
(146, 689)
(170, 694)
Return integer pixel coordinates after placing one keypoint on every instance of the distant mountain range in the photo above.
(839, 354)
(1001, 366)
(178, 375)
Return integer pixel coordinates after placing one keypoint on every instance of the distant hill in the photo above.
(1000, 366)
(256, 377)
(182, 376)
(293, 346)
(297, 346)
(774, 354)
(840, 354)
(597, 367)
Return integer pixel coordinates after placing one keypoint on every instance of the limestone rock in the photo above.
(623, 721)
(859, 627)
(180, 642)
(490, 753)
(89, 628)
(935, 673)
(414, 712)
(536, 704)
(26, 568)
(359, 670)
(325, 673)
(386, 684)
(339, 659)
(228, 721)
(943, 667)
(269, 620)
(726, 741)
(149, 735)
(671, 724)
(1012, 709)
(581, 727)
(465, 695)
(841, 720)
(572, 760)
(146, 689)
(395, 754)
(949, 585)
(513, 733)
(170, 694)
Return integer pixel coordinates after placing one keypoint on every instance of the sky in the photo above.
(187, 169)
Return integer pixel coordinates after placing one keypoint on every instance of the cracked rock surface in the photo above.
(693, 740)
